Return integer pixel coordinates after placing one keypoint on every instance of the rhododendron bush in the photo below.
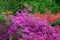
(25, 26)
(50, 17)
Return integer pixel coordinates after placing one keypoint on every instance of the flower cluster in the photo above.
(50, 17)
(34, 28)
(28, 27)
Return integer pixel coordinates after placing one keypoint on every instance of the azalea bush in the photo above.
(52, 18)
(49, 16)
(26, 26)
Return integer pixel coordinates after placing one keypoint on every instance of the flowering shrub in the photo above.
(58, 15)
(26, 26)
(52, 18)
(49, 16)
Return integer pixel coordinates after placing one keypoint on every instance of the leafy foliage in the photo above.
(3, 18)
(37, 5)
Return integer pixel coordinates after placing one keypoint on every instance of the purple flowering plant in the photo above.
(26, 26)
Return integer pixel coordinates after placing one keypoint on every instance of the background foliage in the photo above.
(37, 5)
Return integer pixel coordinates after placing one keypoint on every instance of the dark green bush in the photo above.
(56, 23)
(37, 5)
